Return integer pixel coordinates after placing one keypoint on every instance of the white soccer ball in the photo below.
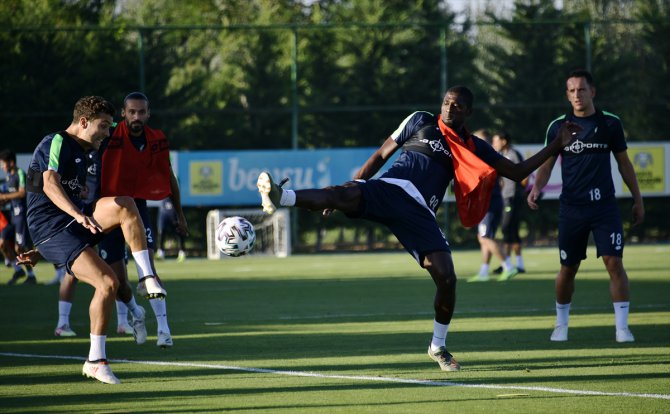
(235, 236)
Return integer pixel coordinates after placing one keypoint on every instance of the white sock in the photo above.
(143, 263)
(64, 313)
(60, 273)
(562, 314)
(621, 314)
(287, 198)
(121, 313)
(507, 265)
(160, 310)
(133, 308)
(519, 262)
(439, 335)
(97, 350)
(484, 269)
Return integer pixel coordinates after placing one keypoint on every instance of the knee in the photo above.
(126, 204)
(109, 286)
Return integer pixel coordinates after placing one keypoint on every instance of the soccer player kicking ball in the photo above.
(65, 234)
(436, 149)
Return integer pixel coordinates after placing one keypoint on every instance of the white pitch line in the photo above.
(353, 377)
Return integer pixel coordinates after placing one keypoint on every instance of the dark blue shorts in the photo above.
(511, 219)
(21, 235)
(65, 246)
(489, 224)
(113, 247)
(576, 223)
(413, 224)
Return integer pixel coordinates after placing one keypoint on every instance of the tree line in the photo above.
(258, 74)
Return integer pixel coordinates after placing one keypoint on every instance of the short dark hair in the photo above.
(581, 73)
(504, 135)
(135, 96)
(91, 107)
(465, 93)
(7, 155)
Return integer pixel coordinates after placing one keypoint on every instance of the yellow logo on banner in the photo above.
(649, 165)
(206, 177)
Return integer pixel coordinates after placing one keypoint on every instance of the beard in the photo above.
(135, 127)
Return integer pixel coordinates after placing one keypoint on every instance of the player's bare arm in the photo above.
(377, 160)
(54, 190)
(628, 174)
(520, 171)
(175, 196)
(541, 179)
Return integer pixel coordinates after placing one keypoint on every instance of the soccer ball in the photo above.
(235, 236)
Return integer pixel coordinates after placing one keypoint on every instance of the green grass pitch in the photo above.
(348, 334)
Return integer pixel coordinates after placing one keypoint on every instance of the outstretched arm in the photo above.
(518, 172)
(628, 174)
(377, 160)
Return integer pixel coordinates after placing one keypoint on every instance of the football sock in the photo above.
(60, 273)
(17, 267)
(160, 310)
(287, 198)
(97, 350)
(121, 313)
(143, 263)
(30, 271)
(519, 262)
(562, 314)
(507, 264)
(484, 269)
(133, 308)
(439, 335)
(621, 314)
(64, 312)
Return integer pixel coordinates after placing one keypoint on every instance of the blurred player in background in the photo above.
(587, 203)
(136, 163)
(65, 229)
(513, 202)
(406, 197)
(15, 238)
(487, 229)
(168, 223)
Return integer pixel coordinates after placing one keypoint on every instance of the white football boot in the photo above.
(100, 371)
(150, 288)
(624, 335)
(139, 328)
(560, 334)
(164, 340)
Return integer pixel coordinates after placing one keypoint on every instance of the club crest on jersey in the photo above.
(436, 146)
(579, 146)
(71, 184)
(92, 169)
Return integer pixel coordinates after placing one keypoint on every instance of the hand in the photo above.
(89, 223)
(567, 132)
(532, 199)
(31, 257)
(638, 213)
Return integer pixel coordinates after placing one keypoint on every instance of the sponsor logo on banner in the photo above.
(206, 177)
(649, 165)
